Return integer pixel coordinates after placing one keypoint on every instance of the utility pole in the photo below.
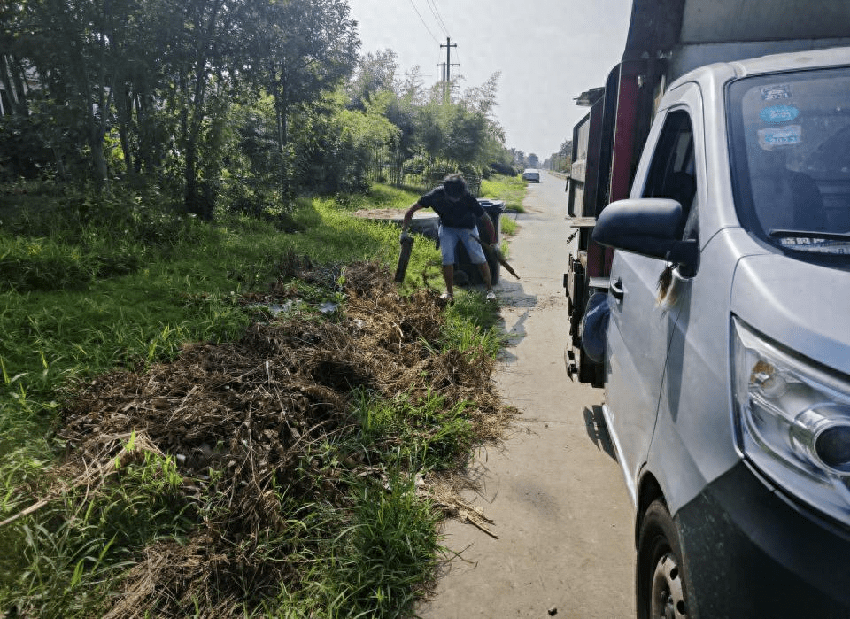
(449, 45)
(448, 68)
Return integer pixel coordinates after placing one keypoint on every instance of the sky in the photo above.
(547, 51)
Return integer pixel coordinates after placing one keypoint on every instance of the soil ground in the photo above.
(562, 521)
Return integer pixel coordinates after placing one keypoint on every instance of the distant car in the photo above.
(531, 174)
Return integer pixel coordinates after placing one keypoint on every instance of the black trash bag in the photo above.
(594, 329)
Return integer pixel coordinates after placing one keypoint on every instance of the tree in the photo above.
(12, 70)
(562, 160)
(465, 135)
(69, 44)
(375, 74)
(224, 97)
(402, 112)
(300, 48)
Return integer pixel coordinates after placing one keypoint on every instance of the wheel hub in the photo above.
(668, 595)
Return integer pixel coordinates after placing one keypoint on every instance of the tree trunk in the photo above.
(98, 158)
(104, 102)
(60, 164)
(144, 160)
(123, 106)
(281, 115)
(6, 78)
(12, 74)
(195, 202)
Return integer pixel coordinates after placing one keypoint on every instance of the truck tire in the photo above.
(588, 371)
(661, 589)
(591, 368)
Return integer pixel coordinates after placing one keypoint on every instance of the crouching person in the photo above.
(459, 212)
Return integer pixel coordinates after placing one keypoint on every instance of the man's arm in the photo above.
(408, 216)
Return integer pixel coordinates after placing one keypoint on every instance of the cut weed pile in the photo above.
(252, 447)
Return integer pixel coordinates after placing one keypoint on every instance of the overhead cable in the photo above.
(432, 4)
(423, 22)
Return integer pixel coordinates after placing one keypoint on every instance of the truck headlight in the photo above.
(793, 421)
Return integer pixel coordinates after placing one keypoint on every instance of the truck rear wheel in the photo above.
(589, 371)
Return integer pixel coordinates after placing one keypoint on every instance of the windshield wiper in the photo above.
(809, 234)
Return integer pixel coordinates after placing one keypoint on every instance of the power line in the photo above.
(423, 22)
(432, 4)
(440, 17)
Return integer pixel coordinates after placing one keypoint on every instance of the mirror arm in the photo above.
(685, 254)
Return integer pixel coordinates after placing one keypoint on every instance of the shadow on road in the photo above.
(597, 430)
(511, 294)
(513, 335)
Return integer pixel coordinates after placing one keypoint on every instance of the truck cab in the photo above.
(666, 40)
(727, 366)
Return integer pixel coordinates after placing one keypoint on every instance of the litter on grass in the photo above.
(245, 419)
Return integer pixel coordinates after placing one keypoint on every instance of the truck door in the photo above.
(641, 322)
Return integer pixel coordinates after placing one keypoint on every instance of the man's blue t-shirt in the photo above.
(461, 214)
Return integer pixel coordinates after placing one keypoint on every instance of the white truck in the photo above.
(725, 258)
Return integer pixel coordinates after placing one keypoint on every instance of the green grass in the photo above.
(380, 556)
(385, 555)
(511, 189)
(97, 287)
(509, 226)
(376, 557)
(471, 322)
(145, 316)
(379, 195)
(430, 434)
(82, 542)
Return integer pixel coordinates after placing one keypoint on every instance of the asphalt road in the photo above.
(554, 491)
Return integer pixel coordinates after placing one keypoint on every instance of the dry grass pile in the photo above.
(245, 423)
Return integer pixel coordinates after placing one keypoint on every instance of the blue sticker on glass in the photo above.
(779, 114)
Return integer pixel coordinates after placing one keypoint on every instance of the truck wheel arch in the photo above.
(648, 491)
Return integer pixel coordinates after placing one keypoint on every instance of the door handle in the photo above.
(616, 289)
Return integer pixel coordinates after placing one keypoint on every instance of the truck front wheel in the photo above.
(661, 589)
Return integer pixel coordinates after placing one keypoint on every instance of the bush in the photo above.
(503, 168)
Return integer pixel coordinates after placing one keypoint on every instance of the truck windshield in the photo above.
(790, 147)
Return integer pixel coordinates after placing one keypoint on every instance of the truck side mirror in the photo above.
(650, 227)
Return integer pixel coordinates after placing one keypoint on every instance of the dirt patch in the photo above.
(245, 418)
(381, 213)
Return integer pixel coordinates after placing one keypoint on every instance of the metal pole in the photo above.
(449, 45)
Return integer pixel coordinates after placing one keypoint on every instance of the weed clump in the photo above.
(287, 470)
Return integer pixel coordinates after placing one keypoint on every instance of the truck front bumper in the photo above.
(751, 552)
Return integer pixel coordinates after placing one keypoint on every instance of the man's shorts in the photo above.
(449, 238)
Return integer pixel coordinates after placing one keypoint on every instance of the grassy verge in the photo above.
(105, 306)
(511, 189)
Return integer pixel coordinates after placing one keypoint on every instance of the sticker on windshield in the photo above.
(775, 93)
(780, 136)
(821, 246)
(779, 114)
